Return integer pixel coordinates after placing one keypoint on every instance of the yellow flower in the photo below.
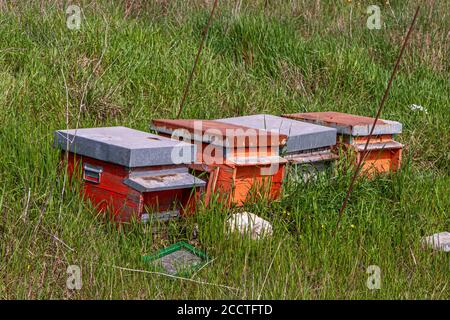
(352, 225)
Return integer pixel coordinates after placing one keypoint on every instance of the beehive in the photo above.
(237, 161)
(129, 173)
(309, 146)
(383, 154)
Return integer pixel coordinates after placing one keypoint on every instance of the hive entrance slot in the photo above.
(160, 216)
(159, 178)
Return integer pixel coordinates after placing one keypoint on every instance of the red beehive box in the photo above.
(236, 159)
(383, 153)
(131, 173)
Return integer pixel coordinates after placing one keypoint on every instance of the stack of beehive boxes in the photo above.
(240, 162)
(383, 153)
(130, 174)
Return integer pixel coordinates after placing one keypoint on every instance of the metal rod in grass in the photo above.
(200, 48)
(380, 108)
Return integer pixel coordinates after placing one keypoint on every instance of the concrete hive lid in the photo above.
(301, 135)
(219, 133)
(349, 124)
(124, 146)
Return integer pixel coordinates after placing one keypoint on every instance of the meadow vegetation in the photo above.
(128, 63)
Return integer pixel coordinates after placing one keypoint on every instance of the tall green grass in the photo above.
(125, 67)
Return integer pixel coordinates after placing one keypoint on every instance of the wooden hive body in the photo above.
(127, 180)
(383, 154)
(238, 165)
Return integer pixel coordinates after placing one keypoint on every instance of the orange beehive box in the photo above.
(236, 160)
(383, 153)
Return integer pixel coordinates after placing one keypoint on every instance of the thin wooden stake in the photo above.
(383, 100)
(200, 48)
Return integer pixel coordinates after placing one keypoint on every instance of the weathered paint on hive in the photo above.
(238, 169)
(239, 184)
(349, 124)
(122, 201)
(220, 133)
(383, 154)
(323, 156)
(123, 146)
(301, 135)
(381, 160)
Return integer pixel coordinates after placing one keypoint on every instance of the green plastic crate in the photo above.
(179, 259)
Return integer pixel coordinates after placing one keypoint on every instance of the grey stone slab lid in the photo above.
(124, 146)
(301, 135)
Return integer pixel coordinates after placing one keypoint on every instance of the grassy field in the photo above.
(128, 63)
